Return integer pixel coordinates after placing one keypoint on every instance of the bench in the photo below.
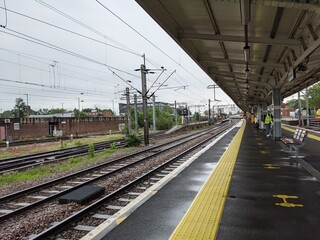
(296, 142)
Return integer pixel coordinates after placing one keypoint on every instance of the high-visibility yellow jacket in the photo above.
(267, 119)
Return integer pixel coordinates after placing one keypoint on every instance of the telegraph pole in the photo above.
(214, 86)
(154, 112)
(135, 113)
(128, 109)
(28, 105)
(175, 112)
(144, 92)
(209, 113)
(144, 103)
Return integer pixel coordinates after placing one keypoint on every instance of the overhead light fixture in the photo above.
(246, 52)
(247, 73)
(245, 11)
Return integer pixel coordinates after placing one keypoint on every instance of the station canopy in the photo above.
(248, 48)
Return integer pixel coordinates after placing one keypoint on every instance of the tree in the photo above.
(77, 113)
(87, 110)
(314, 96)
(56, 110)
(293, 104)
(196, 116)
(20, 109)
(164, 117)
(6, 114)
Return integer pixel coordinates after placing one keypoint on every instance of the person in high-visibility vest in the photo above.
(318, 113)
(267, 123)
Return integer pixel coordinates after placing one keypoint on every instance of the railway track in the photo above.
(28, 200)
(51, 139)
(32, 160)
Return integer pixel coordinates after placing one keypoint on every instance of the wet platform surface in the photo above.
(271, 196)
(159, 216)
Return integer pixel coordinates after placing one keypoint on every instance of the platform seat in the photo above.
(296, 142)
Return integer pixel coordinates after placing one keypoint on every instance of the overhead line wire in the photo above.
(33, 57)
(52, 46)
(80, 23)
(149, 41)
(47, 86)
(73, 32)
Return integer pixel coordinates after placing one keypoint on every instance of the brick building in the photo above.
(18, 128)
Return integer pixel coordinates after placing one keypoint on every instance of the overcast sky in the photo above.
(98, 76)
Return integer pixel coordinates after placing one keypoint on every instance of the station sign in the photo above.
(291, 74)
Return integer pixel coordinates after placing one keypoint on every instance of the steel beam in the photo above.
(224, 38)
(241, 62)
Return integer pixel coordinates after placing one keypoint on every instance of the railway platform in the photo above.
(244, 186)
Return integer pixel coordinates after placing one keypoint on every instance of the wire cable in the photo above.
(33, 57)
(148, 41)
(125, 81)
(73, 32)
(75, 90)
(80, 23)
(54, 47)
(5, 11)
(162, 83)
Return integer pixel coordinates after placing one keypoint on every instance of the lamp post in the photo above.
(62, 108)
(78, 125)
(214, 86)
(27, 104)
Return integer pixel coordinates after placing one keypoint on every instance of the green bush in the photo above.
(132, 140)
(113, 146)
(91, 151)
(78, 143)
(164, 122)
(124, 129)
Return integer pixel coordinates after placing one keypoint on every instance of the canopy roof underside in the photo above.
(247, 47)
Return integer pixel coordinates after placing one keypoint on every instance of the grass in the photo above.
(44, 147)
(43, 171)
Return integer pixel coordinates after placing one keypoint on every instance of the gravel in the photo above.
(41, 218)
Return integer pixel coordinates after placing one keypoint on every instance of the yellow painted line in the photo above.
(271, 166)
(203, 217)
(314, 137)
(285, 203)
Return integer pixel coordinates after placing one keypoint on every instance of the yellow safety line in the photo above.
(314, 137)
(203, 216)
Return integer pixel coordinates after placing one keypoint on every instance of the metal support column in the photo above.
(258, 114)
(307, 106)
(300, 113)
(277, 133)
(263, 113)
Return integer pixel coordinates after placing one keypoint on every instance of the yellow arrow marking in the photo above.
(264, 152)
(285, 203)
(271, 166)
